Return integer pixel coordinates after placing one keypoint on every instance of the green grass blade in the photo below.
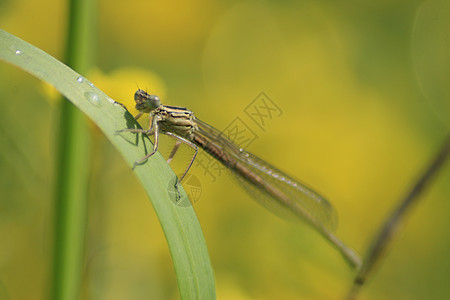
(180, 224)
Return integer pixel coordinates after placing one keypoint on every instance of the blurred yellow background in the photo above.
(356, 124)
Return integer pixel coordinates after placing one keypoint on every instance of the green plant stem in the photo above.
(70, 204)
(72, 173)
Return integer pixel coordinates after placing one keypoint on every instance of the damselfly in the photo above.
(275, 190)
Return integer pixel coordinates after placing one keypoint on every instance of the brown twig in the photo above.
(391, 224)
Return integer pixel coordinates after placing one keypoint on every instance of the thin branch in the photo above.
(392, 223)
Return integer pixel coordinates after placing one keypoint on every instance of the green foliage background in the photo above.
(365, 106)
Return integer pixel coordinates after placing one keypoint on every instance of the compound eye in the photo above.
(140, 94)
(155, 100)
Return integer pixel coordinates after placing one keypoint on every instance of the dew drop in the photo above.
(80, 79)
(93, 98)
(18, 52)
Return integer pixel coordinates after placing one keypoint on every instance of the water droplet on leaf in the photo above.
(93, 98)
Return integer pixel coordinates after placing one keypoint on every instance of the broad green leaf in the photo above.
(179, 222)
